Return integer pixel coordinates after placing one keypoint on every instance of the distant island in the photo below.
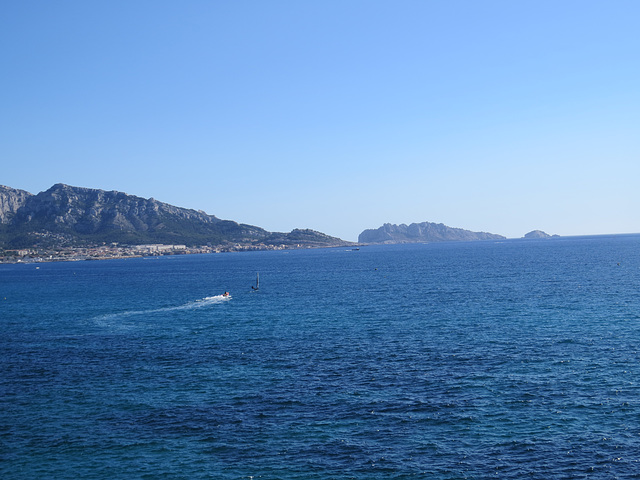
(422, 232)
(75, 222)
(539, 234)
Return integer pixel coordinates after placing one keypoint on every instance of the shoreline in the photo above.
(113, 252)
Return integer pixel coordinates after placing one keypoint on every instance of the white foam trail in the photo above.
(203, 302)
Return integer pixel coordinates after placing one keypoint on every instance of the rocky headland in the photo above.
(67, 217)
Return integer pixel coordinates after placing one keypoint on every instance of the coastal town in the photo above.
(114, 250)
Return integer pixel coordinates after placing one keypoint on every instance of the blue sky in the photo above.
(498, 116)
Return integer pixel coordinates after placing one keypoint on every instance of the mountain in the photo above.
(422, 232)
(74, 216)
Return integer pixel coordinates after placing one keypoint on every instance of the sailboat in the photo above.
(257, 282)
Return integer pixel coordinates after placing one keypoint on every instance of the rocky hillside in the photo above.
(305, 237)
(422, 232)
(11, 200)
(76, 216)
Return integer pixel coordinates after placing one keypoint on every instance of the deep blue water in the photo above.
(515, 359)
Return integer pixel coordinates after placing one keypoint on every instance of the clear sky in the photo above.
(335, 115)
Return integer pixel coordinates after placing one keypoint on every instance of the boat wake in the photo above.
(203, 302)
(195, 304)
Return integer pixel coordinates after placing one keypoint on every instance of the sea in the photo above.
(462, 360)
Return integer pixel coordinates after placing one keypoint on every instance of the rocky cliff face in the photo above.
(83, 215)
(88, 210)
(11, 199)
(421, 232)
(98, 215)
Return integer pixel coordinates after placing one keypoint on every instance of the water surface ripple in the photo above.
(515, 359)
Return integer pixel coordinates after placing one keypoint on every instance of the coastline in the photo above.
(111, 252)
